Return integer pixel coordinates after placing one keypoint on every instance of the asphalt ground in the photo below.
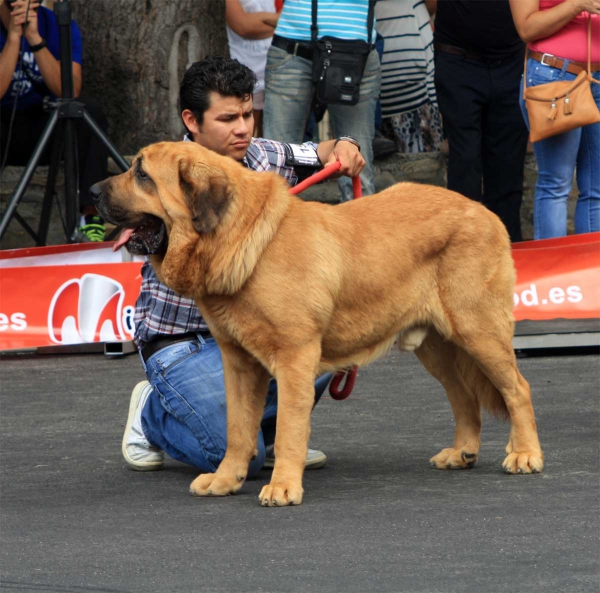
(75, 519)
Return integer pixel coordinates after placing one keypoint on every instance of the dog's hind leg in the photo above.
(441, 358)
(246, 384)
(295, 377)
(487, 336)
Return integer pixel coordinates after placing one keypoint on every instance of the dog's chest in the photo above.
(235, 320)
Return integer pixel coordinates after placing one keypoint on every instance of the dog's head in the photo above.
(203, 218)
(174, 191)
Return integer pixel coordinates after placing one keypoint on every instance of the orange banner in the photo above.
(50, 304)
(558, 278)
(68, 295)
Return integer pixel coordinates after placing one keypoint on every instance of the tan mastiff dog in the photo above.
(292, 289)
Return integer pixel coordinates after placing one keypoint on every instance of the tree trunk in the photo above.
(134, 55)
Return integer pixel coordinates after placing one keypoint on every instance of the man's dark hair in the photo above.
(222, 75)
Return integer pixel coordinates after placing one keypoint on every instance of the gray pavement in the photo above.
(74, 519)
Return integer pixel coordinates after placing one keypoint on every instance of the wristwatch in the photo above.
(349, 139)
(41, 45)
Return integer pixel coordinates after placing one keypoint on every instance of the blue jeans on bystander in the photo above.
(557, 159)
(288, 99)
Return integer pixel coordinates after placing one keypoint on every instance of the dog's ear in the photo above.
(207, 195)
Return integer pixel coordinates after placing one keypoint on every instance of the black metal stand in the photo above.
(61, 129)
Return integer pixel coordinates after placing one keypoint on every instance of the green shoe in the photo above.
(93, 228)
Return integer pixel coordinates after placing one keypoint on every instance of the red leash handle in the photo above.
(334, 387)
(316, 177)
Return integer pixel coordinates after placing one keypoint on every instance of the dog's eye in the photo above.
(142, 175)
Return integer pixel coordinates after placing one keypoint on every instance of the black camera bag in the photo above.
(338, 64)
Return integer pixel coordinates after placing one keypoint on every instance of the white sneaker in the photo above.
(314, 459)
(137, 451)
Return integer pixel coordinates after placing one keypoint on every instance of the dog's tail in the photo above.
(488, 396)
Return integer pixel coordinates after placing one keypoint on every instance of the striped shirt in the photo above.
(344, 19)
(159, 311)
(407, 68)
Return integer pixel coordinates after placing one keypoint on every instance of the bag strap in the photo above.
(589, 59)
(370, 18)
(314, 31)
(589, 44)
(313, 27)
(525, 70)
(589, 70)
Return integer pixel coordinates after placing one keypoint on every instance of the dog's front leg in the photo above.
(295, 400)
(246, 384)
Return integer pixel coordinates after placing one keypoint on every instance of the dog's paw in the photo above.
(454, 459)
(215, 485)
(524, 463)
(280, 495)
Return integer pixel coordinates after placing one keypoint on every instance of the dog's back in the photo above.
(369, 269)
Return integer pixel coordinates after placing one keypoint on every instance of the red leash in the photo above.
(324, 174)
(334, 386)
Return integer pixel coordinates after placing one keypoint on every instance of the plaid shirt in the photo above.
(159, 311)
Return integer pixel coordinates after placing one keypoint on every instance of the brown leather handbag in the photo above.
(557, 107)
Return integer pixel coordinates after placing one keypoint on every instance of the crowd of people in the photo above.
(450, 69)
(445, 68)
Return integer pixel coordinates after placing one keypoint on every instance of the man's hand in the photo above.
(347, 153)
(20, 16)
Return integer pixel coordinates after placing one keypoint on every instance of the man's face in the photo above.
(227, 126)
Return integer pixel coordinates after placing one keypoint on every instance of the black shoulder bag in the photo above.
(338, 64)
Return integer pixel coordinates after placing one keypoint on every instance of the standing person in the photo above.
(409, 108)
(250, 26)
(30, 72)
(288, 78)
(181, 409)
(478, 66)
(557, 33)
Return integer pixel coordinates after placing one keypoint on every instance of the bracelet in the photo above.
(41, 45)
(349, 139)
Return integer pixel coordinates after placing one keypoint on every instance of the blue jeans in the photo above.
(557, 159)
(288, 99)
(186, 414)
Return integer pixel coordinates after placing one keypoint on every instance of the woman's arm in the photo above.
(17, 17)
(431, 6)
(533, 24)
(8, 62)
(250, 25)
(50, 71)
